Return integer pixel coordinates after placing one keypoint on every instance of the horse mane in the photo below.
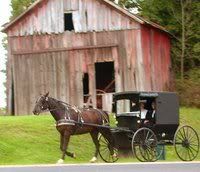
(66, 106)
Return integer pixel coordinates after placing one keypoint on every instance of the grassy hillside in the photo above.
(34, 140)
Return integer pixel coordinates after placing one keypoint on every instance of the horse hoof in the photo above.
(114, 155)
(60, 161)
(74, 155)
(93, 160)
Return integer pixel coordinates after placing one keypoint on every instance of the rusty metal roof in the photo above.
(107, 2)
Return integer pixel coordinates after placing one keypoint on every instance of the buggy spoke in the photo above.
(147, 135)
(181, 134)
(184, 133)
(194, 141)
(104, 141)
(150, 151)
(187, 133)
(104, 149)
(180, 139)
(148, 158)
(151, 136)
(186, 154)
(193, 149)
(192, 137)
(194, 145)
(191, 152)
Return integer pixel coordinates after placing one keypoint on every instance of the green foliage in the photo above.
(2, 111)
(189, 89)
(128, 3)
(5, 45)
(19, 6)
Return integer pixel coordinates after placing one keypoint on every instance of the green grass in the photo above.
(34, 140)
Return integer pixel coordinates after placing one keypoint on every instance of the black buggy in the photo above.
(132, 134)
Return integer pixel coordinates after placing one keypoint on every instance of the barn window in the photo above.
(68, 22)
(105, 76)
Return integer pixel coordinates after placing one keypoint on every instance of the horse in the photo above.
(73, 120)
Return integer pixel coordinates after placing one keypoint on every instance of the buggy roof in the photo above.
(138, 94)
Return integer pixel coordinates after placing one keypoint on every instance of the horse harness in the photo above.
(68, 121)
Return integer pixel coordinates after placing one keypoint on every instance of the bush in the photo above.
(189, 89)
(2, 111)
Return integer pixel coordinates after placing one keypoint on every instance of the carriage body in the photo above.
(131, 134)
(128, 115)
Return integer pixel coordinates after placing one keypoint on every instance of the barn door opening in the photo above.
(86, 96)
(12, 95)
(105, 80)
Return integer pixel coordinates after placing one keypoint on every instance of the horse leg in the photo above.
(60, 161)
(61, 141)
(64, 140)
(94, 136)
(61, 147)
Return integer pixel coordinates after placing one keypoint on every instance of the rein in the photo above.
(43, 111)
(67, 119)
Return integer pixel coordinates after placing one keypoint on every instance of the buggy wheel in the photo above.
(186, 143)
(144, 144)
(106, 151)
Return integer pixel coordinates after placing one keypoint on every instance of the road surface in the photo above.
(125, 167)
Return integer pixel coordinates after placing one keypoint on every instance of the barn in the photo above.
(82, 51)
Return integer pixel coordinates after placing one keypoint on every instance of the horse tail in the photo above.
(106, 116)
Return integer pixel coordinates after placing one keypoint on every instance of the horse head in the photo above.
(41, 104)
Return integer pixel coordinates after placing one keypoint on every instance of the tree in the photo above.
(181, 18)
(19, 6)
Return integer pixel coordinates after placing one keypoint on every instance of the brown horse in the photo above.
(71, 120)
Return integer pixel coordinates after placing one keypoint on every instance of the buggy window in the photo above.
(123, 106)
(148, 102)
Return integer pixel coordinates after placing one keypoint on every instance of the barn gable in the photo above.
(50, 16)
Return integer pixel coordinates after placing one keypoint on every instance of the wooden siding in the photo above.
(46, 18)
(9, 80)
(157, 62)
(39, 66)
(88, 15)
(60, 73)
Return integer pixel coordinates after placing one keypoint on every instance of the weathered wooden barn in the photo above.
(76, 48)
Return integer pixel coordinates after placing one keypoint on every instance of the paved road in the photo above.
(127, 167)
